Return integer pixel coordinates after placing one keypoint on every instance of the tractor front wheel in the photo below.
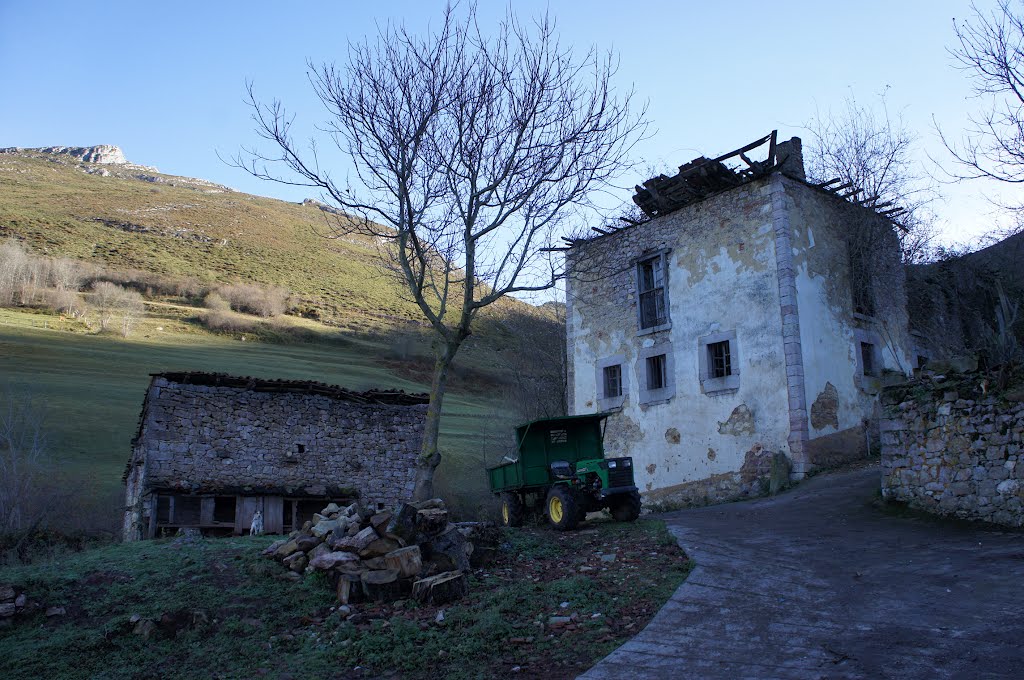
(626, 507)
(562, 507)
(512, 510)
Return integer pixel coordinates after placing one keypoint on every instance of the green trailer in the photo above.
(560, 467)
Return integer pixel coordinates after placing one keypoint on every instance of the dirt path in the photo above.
(818, 583)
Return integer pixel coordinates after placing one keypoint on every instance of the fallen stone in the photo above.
(6, 593)
(321, 529)
(20, 601)
(287, 549)
(144, 628)
(273, 547)
(296, 562)
(307, 543)
(379, 522)
(7, 609)
(333, 559)
(379, 548)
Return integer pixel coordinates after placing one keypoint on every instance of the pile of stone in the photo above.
(413, 551)
(14, 602)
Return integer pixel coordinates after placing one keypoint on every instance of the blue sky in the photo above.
(165, 81)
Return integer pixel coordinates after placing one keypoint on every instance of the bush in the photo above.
(66, 302)
(254, 299)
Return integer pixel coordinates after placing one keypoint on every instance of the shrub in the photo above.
(111, 300)
(254, 299)
(62, 301)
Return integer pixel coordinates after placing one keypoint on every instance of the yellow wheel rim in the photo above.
(555, 510)
(504, 512)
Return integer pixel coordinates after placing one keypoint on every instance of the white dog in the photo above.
(256, 528)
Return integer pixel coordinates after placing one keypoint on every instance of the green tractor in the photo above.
(561, 460)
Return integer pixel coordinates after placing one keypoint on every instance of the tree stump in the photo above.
(432, 521)
(442, 588)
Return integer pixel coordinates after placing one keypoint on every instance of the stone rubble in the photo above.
(413, 551)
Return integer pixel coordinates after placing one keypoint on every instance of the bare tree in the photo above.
(990, 51)
(14, 264)
(871, 150)
(471, 153)
(111, 300)
(23, 450)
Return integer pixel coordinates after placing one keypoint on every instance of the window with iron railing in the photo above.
(651, 291)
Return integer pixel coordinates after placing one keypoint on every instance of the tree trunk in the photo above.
(430, 456)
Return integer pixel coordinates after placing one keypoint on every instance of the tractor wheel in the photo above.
(562, 508)
(512, 510)
(626, 507)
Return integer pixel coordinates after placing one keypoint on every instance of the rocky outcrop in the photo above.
(104, 154)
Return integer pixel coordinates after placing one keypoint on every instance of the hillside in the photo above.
(124, 216)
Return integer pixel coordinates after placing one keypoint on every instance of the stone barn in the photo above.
(741, 329)
(212, 449)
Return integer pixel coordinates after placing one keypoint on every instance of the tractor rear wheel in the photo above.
(562, 507)
(512, 510)
(626, 507)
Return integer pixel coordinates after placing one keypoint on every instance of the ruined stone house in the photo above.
(743, 319)
(212, 449)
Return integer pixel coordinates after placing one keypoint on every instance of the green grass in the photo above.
(246, 621)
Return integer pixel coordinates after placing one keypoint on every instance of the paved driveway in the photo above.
(817, 583)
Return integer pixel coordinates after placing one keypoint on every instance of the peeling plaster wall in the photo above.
(722, 276)
(839, 398)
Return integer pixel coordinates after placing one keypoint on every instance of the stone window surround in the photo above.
(875, 340)
(730, 383)
(659, 396)
(608, 403)
(650, 255)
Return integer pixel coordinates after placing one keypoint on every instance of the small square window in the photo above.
(867, 358)
(718, 362)
(656, 378)
(719, 359)
(612, 381)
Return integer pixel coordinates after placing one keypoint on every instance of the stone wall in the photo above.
(954, 453)
(202, 438)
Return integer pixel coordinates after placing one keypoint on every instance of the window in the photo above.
(656, 372)
(720, 361)
(719, 364)
(652, 298)
(613, 381)
(867, 358)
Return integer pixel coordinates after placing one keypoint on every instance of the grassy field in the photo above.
(222, 611)
(92, 386)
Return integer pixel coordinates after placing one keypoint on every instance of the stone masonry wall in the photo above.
(954, 456)
(198, 438)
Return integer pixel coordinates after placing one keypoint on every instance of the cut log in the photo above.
(450, 548)
(349, 587)
(442, 588)
(432, 521)
(381, 585)
(403, 523)
(408, 561)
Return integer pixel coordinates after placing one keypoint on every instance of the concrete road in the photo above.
(818, 583)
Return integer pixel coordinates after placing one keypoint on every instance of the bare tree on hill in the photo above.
(471, 152)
